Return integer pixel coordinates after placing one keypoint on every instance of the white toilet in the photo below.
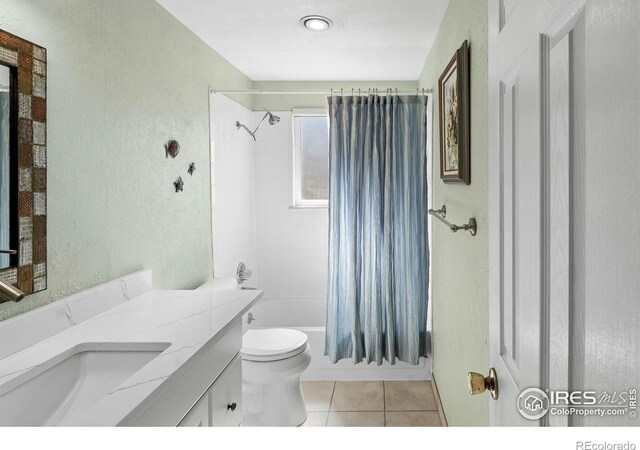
(272, 361)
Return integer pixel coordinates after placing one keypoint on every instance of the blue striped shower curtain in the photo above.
(378, 247)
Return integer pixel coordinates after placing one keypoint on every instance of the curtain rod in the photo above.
(325, 92)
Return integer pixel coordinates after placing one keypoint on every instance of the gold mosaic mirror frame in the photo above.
(28, 271)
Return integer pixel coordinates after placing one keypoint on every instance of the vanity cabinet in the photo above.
(221, 405)
(172, 358)
(199, 415)
(226, 397)
(208, 393)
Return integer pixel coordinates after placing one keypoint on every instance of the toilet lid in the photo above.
(272, 344)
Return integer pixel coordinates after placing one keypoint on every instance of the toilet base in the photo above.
(272, 393)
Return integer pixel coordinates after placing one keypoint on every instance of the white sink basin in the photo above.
(61, 389)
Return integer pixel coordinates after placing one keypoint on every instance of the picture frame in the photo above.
(454, 110)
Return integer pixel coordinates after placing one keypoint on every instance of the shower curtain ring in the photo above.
(341, 93)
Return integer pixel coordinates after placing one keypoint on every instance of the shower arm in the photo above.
(252, 133)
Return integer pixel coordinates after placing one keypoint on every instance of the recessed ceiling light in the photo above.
(316, 23)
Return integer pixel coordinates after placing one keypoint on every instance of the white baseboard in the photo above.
(436, 393)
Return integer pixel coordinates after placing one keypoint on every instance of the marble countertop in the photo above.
(190, 321)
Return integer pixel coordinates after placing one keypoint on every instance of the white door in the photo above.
(564, 257)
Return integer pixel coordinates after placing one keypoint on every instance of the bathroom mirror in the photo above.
(23, 163)
(7, 88)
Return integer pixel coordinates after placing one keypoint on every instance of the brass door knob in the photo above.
(478, 383)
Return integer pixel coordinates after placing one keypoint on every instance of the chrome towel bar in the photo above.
(441, 215)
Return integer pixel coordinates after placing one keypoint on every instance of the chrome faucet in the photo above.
(8, 293)
(242, 273)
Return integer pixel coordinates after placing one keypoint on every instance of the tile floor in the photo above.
(370, 404)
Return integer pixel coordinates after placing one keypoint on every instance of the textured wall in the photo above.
(124, 77)
(460, 262)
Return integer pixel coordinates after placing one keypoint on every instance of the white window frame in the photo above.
(298, 201)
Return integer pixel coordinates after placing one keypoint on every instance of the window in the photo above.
(311, 158)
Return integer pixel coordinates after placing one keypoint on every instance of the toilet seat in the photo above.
(273, 344)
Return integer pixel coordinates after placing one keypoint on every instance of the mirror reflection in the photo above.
(5, 162)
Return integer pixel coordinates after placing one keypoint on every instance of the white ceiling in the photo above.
(370, 40)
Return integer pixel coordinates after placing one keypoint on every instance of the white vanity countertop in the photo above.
(190, 321)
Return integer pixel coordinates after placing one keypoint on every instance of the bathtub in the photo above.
(308, 315)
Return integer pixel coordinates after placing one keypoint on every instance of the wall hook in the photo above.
(179, 184)
(172, 148)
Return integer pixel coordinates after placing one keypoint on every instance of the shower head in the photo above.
(273, 119)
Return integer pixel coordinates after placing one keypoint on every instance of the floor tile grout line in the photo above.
(333, 391)
(411, 410)
(379, 410)
(384, 403)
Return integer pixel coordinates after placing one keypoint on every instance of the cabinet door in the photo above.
(226, 396)
(199, 415)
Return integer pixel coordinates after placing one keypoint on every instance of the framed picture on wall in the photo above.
(455, 142)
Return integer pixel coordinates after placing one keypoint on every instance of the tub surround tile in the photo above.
(356, 419)
(358, 396)
(234, 188)
(317, 394)
(289, 240)
(412, 419)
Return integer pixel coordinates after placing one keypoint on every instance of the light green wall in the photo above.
(288, 102)
(460, 262)
(123, 77)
